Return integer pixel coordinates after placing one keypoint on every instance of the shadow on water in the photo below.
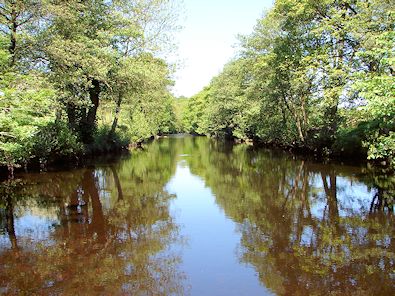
(306, 228)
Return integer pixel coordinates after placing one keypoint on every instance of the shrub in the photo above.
(104, 140)
(56, 141)
(382, 148)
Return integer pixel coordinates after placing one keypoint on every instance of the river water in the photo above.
(192, 216)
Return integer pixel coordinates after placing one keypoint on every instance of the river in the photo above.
(193, 216)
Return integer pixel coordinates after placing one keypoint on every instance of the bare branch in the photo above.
(351, 8)
(4, 10)
(4, 15)
(28, 18)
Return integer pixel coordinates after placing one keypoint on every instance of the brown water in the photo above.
(191, 216)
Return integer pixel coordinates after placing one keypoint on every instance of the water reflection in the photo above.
(108, 231)
(306, 228)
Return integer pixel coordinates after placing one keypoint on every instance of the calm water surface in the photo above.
(191, 216)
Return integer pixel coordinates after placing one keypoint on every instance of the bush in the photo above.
(56, 141)
(382, 148)
(105, 141)
(349, 142)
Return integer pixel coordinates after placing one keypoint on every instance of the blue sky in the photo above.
(208, 38)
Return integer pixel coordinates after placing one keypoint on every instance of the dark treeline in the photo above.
(82, 76)
(313, 75)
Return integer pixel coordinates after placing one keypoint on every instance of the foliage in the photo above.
(194, 117)
(179, 109)
(382, 147)
(312, 75)
(56, 141)
(26, 105)
(94, 53)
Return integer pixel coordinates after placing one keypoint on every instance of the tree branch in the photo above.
(4, 15)
(351, 8)
(25, 21)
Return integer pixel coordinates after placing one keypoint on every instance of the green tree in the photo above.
(94, 53)
(312, 75)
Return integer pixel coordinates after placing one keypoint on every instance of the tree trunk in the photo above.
(94, 93)
(300, 131)
(116, 116)
(88, 121)
(13, 28)
(70, 109)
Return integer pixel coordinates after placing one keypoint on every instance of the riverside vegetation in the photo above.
(313, 75)
(81, 77)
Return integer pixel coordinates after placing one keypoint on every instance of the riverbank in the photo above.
(114, 147)
(340, 156)
(61, 149)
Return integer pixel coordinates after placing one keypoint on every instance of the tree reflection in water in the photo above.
(303, 225)
(306, 228)
(110, 233)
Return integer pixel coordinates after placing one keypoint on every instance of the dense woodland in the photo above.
(85, 76)
(313, 75)
(82, 76)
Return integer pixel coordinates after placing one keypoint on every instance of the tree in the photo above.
(312, 75)
(94, 52)
(15, 16)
